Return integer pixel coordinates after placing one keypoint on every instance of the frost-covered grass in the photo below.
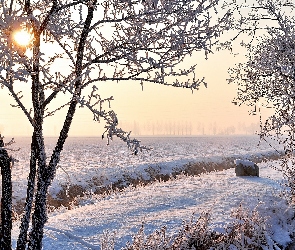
(247, 231)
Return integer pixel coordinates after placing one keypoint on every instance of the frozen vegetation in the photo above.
(112, 219)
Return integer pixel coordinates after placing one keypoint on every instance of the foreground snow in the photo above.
(169, 204)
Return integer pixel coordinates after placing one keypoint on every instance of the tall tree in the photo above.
(267, 79)
(97, 41)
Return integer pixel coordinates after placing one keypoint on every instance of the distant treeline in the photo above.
(186, 128)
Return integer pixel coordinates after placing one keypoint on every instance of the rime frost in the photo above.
(96, 41)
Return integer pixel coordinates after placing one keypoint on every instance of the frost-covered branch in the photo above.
(48, 16)
(4, 145)
(12, 141)
(51, 113)
(112, 130)
(17, 98)
(95, 104)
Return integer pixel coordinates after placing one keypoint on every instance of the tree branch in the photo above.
(17, 99)
(28, 7)
(10, 7)
(47, 18)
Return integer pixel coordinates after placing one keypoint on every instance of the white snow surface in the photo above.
(88, 162)
(169, 204)
(244, 162)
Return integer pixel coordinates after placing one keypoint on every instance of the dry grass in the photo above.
(247, 231)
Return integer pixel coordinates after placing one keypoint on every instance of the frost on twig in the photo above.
(95, 104)
(5, 145)
(112, 130)
(12, 141)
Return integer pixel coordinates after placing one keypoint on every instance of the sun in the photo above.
(22, 38)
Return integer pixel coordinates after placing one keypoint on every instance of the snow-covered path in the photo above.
(159, 204)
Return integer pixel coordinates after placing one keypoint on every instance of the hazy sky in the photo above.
(155, 110)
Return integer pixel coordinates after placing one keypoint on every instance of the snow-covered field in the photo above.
(89, 163)
(160, 203)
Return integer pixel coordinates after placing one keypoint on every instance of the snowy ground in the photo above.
(168, 204)
(89, 163)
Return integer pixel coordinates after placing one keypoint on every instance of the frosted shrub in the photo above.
(247, 231)
(195, 234)
(107, 241)
(156, 240)
(288, 169)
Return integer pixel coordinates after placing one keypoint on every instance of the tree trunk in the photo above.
(22, 238)
(45, 177)
(39, 217)
(6, 200)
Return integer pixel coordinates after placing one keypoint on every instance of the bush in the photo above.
(247, 231)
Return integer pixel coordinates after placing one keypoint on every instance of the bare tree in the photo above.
(267, 79)
(97, 41)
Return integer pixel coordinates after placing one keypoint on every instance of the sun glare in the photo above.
(22, 38)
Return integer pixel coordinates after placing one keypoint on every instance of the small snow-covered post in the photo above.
(6, 199)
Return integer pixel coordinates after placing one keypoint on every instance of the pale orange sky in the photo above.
(155, 106)
(159, 108)
(156, 110)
